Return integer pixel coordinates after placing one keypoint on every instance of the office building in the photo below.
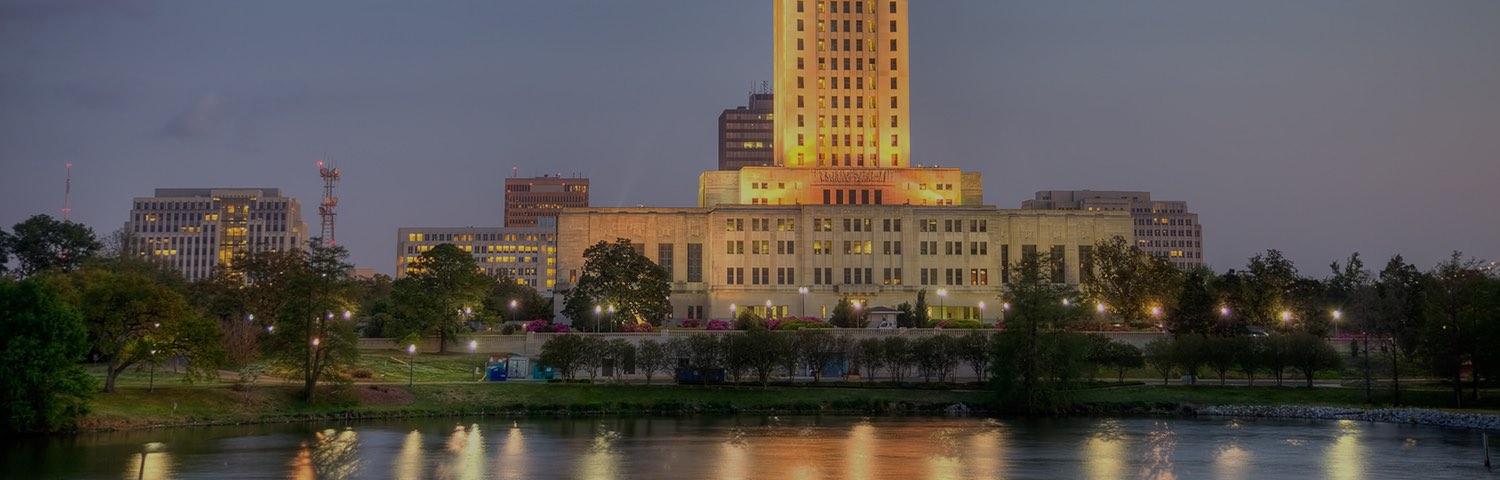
(196, 229)
(526, 255)
(1163, 228)
(530, 199)
(842, 211)
(747, 134)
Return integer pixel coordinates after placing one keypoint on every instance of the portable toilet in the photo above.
(518, 363)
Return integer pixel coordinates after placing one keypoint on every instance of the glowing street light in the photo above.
(411, 364)
(598, 317)
(1336, 316)
(513, 309)
(151, 382)
(981, 310)
(942, 300)
(803, 292)
(1224, 312)
(348, 314)
(1286, 315)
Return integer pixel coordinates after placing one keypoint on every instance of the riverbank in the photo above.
(186, 405)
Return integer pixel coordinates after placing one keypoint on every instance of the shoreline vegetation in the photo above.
(178, 406)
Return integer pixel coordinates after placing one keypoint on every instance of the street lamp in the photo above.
(151, 382)
(598, 317)
(611, 311)
(1224, 312)
(348, 314)
(732, 308)
(1336, 316)
(512, 309)
(803, 292)
(768, 308)
(1286, 315)
(942, 301)
(411, 364)
(981, 311)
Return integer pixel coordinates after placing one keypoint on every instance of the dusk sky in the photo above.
(1318, 128)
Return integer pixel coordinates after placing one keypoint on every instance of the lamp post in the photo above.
(611, 311)
(473, 347)
(942, 302)
(732, 308)
(411, 364)
(513, 310)
(1336, 316)
(803, 292)
(768, 308)
(598, 317)
(981, 311)
(151, 383)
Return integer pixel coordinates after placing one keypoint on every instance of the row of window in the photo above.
(833, 6)
(1168, 233)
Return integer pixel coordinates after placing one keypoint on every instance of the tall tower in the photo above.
(67, 192)
(841, 84)
(326, 210)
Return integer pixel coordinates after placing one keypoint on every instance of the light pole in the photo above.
(598, 317)
(1156, 316)
(611, 311)
(803, 292)
(474, 346)
(151, 383)
(768, 308)
(732, 308)
(1336, 316)
(981, 311)
(411, 364)
(942, 302)
(513, 310)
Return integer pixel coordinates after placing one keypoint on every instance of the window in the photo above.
(893, 26)
(1059, 273)
(664, 258)
(734, 247)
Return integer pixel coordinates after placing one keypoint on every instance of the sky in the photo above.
(1315, 127)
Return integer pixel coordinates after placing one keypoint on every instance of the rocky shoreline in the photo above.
(1413, 416)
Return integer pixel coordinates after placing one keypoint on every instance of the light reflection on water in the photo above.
(777, 448)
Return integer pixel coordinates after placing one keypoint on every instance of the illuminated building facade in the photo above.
(842, 211)
(1163, 228)
(530, 199)
(196, 229)
(747, 134)
(527, 255)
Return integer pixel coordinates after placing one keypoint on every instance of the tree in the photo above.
(42, 388)
(843, 314)
(311, 337)
(871, 352)
(907, 317)
(898, 356)
(1276, 357)
(441, 294)
(1219, 354)
(41, 243)
(133, 315)
(705, 353)
(565, 353)
(766, 350)
(1250, 356)
(4, 251)
(921, 317)
(651, 358)
(1121, 356)
(1352, 291)
(1268, 278)
(817, 349)
(1456, 309)
(1400, 302)
(739, 352)
(1127, 281)
(1195, 311)
(1033, 363)
(614, 274)
(505, 291)
(1310, 354)
(975, 348)
(1160, 355)
(1190, 355)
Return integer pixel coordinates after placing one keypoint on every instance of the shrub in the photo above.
(361, 372)
(802, 325)
(641, 327)
(537, 326)
(691, 323)
(560, 328)
(963, 324)
(508, 330)
(717, 324)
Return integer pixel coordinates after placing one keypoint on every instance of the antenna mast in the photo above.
(67, 192)
(330, 177)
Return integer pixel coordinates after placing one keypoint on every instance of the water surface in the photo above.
(770, 447)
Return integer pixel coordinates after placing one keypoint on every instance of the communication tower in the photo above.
(330, 177)
(67, 192)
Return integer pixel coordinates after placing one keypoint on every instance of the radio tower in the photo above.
(330, 178)
(67, 192)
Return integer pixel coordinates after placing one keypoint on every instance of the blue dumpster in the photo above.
(496, 373)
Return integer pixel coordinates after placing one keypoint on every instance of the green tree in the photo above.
(615, 274)
(1250, 356)
(1033, 363)
(975, 348)
(1268, 278)
(1190, 354)
(440, 295)
(1196, 311)
(705, 353)
(1310, 354)
(310, 336)
(871, 353)
(1457, 308)
(1127, 281)
(651, 358)
(528, 304)
(42, 388)
(1121, 356)
(1399, 314)
(1219, 354)
(907, 318)
(1352, 292)
(921, 315)
(1276, 357)
(767, 349)
(843, 314)
(565, 352)
(133, 314)
(1160, 354)
(817, 349)
(4, 252)
(41, 243)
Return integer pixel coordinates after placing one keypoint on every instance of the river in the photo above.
(769, 447)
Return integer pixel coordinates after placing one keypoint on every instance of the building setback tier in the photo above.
(743, 256)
